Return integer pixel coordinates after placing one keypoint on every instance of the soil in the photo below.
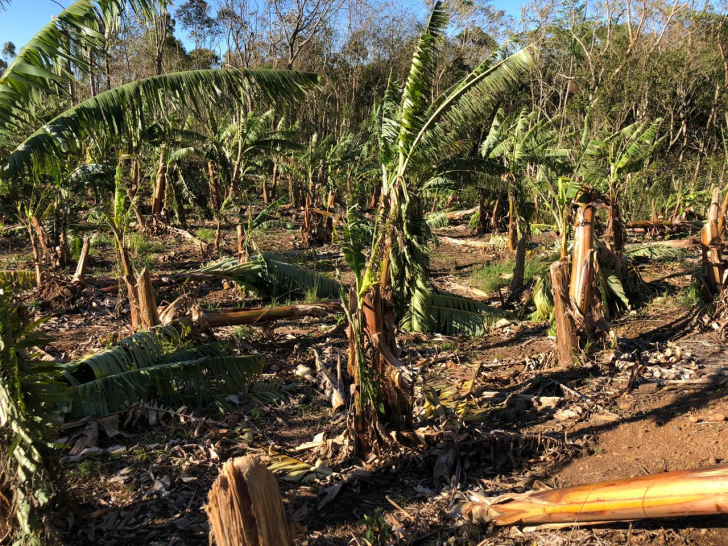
(148, 481)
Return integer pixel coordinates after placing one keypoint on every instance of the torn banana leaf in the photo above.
(453, 315)
(269, 392)
(269, 277)
(296, 471)
(139, 350)
(656, 252)
(192, 382)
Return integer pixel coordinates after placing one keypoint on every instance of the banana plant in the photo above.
(608, 164)
(261, 221)
(416, 136)
(521, 141)
(28, 390)
(52, 62)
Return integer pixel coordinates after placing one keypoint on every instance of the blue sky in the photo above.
(24, 18)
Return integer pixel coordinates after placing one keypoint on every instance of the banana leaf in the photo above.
(139, 350)
(192, 382)
(453, 315)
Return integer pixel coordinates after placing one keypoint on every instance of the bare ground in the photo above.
(507, 420)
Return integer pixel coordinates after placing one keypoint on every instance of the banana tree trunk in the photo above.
(711, 244)
(519, 270)
(615, 228)
(482, 213)
(236, 317)
(495, 218)
(242, 250)
(214, 186)
(330, 207)
(266, 198)
(378, 374)
(244, 506)
(274, 180)
(160, 187)
(581, 265)
(218, 233)
(132, 190)
(37, 257)
(566, 339)
(512, 232)
(178, 199)
(43, 239)
(80, 273)
(723, 212)
(60, 211)
(376, 195)
(148, 315)
(699, 492)
(127, 272)
(575, 313)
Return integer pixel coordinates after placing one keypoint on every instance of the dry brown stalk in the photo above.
(80, 273)
(703, 491)
(244, 506)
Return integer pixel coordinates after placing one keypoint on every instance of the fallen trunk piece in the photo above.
(236, 317)
(468, 242)
(665, 224)
(245, 507)
(703, 491)
(461, 214)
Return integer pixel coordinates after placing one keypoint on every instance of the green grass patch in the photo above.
(101, 240)
(496, 275)
(691, 296)
(140, 245)
(205, 234)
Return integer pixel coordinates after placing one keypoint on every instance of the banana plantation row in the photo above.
(534, 141)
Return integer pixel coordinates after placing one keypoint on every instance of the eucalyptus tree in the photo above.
(418, 136)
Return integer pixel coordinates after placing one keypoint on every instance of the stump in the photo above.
(148, 315)
(566, 339)
(244, 506)
(711, 244)
(82, 261)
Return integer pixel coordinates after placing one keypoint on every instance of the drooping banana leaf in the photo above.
(437, 219)
(453, 315)
(543, 299)
(274, 278)
(614, 296)
(74, 36)
(303, 280)
(125, 111)
(27, 390)
(192, 382)
(656, 252)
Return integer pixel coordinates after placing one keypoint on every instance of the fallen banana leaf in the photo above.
(703, 491)
(296, 471)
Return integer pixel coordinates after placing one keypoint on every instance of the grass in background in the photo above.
(205, 234)
(496, 275)
(691, 296)
(139, 245)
